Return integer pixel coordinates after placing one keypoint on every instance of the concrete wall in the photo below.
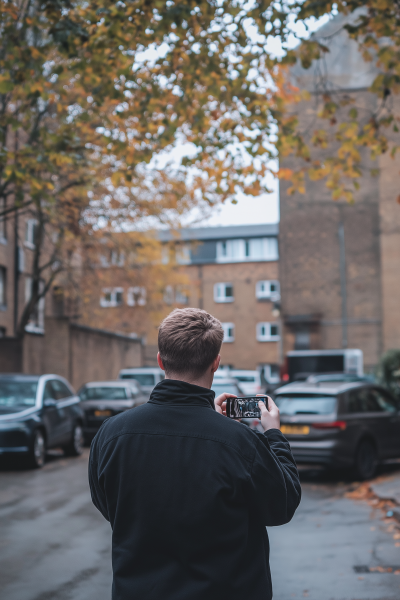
(78, 353)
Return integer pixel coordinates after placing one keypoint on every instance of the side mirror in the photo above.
(49, 403)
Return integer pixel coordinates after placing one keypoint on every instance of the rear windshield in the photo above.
(103, 393)
(306, 404)
(19, 394)
(221, 388)
(142, 378)
(246, 378)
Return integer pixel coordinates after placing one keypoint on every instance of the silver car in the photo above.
(103, 399)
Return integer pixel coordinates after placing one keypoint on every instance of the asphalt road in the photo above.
(54, 545)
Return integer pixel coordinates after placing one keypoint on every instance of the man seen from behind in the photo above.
(187, 491)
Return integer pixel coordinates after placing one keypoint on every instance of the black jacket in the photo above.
(188, 493)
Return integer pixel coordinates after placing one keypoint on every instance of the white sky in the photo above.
(249, 209)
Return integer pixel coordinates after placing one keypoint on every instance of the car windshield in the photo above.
(20, 394)
(142, 378)
(246, 378)
(306, 404)
(221, 388)
(103, 393)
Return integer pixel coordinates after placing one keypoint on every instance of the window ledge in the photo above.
(270, 339)
(34, 329)
(223, 301)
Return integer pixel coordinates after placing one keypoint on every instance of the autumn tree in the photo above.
(346, 134)
(91, 92)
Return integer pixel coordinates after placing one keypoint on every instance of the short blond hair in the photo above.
(189, 340)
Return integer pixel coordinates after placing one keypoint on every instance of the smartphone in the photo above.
(245, 407)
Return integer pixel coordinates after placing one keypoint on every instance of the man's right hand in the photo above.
(270, 418)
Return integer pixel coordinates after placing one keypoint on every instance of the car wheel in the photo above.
(75, 447)
(366, 460)
(37, 455)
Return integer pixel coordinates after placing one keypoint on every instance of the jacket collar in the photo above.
(173, 391)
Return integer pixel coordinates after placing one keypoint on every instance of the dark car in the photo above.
(37, 413)
(103, 399)
(340, 424)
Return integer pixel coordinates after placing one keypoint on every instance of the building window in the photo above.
(182, 254)
(111, 297)
(253, 249)
(3, 222)
(229, 332)
(169, 295)
(268, 290)
(223, 292)
(3, 300)
(182, 295)
(302, 340)
(36, 320)
(136, 296)
(117, 258)
(267, 332)
(31, 227)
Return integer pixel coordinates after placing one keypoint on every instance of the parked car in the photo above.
(148, 377)
(103, 399)
(249, 381)
(340, 424)
(337, 377)
(37, 413)
(227, 385)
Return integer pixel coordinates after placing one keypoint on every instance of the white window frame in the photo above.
(136, 296)
(229, 332)
(182, 294)
(169, 295)
(244, 250)
(267, 294)
(182, 254)
(29, 233)
(117, 258)
(266, 336)
(220, 293)
(36, 322)
(112, 303)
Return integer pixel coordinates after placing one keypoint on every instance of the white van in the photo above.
(249, 381)
(148, 377)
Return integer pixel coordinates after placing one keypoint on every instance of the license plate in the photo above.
(102, 413)
(295, 429)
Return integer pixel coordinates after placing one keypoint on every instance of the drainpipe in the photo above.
(16, 272)
(343, 289)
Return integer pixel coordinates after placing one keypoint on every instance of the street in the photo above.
(54, 545)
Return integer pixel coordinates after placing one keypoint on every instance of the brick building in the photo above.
(340, 263)
(232, 272)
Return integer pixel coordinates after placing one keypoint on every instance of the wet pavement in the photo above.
(54, 545)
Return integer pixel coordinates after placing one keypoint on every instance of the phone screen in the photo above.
(244, 407)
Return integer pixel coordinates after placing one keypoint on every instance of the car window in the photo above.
(103, 393)
(363, 401)
(385, 401)
(48, 393)
(221, 388)
(306, 404)
(17, 394)
(60, 390)
(142, 378)
(245, 378)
